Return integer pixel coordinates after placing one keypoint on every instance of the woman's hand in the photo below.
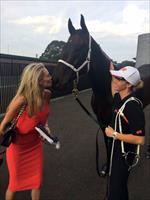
(47, 128)
(109, 131)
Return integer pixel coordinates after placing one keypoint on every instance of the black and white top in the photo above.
(132, 120)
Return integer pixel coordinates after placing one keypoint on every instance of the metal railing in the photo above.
(11, 68)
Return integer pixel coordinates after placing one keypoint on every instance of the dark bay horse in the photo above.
(81, 55)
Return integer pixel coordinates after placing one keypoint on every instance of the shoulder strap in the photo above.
(19, 114)
(120, 126)
(118, 117)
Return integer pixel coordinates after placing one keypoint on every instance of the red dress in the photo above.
(25, 155)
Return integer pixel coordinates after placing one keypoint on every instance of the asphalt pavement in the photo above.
(70, 172)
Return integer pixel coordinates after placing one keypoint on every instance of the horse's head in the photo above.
(75, 56)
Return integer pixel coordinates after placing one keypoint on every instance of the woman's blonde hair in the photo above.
(138, 86)
(30, 88)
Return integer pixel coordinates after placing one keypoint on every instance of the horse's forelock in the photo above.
(81, 34)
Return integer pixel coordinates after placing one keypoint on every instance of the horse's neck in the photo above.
(99, 73)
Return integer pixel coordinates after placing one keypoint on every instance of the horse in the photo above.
(81, 55)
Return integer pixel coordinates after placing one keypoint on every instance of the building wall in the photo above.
(143, 50)
(143, 58)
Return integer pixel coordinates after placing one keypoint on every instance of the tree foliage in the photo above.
(53, 51)
(125, 63)
(128, 63)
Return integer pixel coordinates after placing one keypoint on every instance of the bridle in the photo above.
(86, 62)
(75, 90)
(75, 82)
(75, 94)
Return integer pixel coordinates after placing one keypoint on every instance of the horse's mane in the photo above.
(98, 48)
(100, 75)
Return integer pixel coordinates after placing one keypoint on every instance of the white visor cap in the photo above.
(130, 74)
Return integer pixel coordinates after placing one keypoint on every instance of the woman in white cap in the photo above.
(126, 130)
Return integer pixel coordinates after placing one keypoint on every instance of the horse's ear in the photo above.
(82, 23)
(70, 27)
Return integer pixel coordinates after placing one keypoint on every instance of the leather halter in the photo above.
(87, 61)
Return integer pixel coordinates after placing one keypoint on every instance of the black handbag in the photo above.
(8, 136)
(10, 131)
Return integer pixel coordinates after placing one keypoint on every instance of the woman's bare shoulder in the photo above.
(18, 101)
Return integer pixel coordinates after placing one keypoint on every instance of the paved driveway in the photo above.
(69, 173)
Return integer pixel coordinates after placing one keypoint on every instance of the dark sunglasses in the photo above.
(119, 78)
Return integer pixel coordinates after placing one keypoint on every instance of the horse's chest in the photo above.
(102, 108)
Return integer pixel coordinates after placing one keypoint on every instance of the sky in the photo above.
(27, 27)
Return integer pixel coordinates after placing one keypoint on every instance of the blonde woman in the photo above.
(24, 156)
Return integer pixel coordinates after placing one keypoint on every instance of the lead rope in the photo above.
(112, 149)
(111, 158)
(75, 92)
(125, 154)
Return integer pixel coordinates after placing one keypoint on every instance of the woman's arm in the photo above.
(129, 138)
(12, 110)
(47, 96)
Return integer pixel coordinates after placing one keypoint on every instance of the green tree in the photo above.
(125, 63)
(128, 63)
(53, 51)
